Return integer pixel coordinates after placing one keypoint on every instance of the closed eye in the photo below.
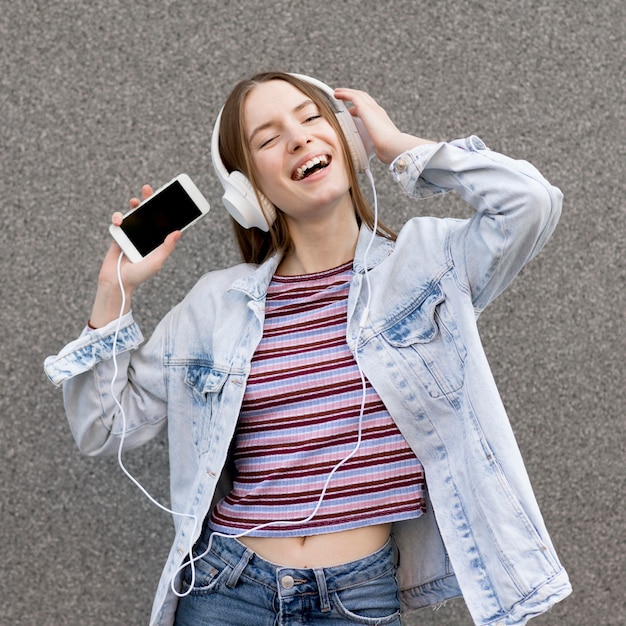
(310, 119)
(266, 142)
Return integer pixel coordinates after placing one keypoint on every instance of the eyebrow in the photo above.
(261, 127)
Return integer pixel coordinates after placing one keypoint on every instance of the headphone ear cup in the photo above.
(354, 140)
(366, 141)
(241, 202)
(239, 197)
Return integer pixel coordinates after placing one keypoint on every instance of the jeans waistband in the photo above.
(290, 580)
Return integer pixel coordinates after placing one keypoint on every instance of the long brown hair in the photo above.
(256, 245)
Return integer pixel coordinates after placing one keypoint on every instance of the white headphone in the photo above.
(239, 196)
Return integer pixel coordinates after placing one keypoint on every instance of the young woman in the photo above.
(338, 449)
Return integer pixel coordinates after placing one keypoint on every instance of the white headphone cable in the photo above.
(123, 416)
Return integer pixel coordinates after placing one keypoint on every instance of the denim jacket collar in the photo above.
(255, 285)
(368, 251)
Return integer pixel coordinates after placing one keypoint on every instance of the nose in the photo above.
(298, 137)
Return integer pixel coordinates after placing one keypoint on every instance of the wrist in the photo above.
(400, 144)
(107, 305)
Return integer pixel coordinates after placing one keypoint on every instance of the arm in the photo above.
(86, 367)
(516, 207)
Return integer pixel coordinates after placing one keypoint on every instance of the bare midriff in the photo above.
(325, 550)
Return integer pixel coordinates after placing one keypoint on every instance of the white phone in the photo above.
(175, 206)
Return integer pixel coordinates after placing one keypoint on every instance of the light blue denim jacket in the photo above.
(419, 346)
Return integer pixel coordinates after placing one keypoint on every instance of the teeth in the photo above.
(317, 160)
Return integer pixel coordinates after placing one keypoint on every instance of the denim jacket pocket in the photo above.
(208, 385)
(429, 344)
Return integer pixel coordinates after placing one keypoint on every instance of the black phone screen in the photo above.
(169, 210)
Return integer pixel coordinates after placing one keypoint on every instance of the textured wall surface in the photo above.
(98, 97)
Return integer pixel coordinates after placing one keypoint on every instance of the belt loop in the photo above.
(322, 589)
(233, 579)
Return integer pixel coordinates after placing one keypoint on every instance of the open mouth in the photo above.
(318, 162)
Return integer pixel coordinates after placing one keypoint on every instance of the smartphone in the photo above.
(175, 206)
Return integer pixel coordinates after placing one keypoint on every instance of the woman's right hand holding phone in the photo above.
(108, 300)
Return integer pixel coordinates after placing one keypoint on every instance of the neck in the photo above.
(320, 246)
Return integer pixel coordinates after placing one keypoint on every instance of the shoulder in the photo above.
(426, 234)
(419, 255)
(212, 292)
(222, 279)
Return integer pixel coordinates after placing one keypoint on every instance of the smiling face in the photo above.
(297, 157)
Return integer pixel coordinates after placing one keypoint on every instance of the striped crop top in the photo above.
(300, 418)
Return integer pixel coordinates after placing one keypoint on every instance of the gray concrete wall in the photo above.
(98, 97)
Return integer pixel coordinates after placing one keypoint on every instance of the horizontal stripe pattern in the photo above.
(300, 418)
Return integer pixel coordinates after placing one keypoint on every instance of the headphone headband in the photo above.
(240, 198)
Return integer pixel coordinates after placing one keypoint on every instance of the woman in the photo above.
(309, 391)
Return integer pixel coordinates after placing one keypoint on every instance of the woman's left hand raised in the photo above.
(388, 140)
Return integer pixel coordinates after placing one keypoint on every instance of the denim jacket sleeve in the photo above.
(86, 366)
(517, 209)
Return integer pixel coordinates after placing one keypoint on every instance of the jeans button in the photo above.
(287, 582)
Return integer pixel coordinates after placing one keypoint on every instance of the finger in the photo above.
(172, 238)
(146, 191)
(134, 203)
(345, 93)
(162, 253)
(359, 103)
(116, 218)
(170, 241)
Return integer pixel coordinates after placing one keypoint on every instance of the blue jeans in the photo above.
(236, 587)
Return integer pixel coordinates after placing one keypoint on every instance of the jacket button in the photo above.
(400, 166)
(287, 582)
